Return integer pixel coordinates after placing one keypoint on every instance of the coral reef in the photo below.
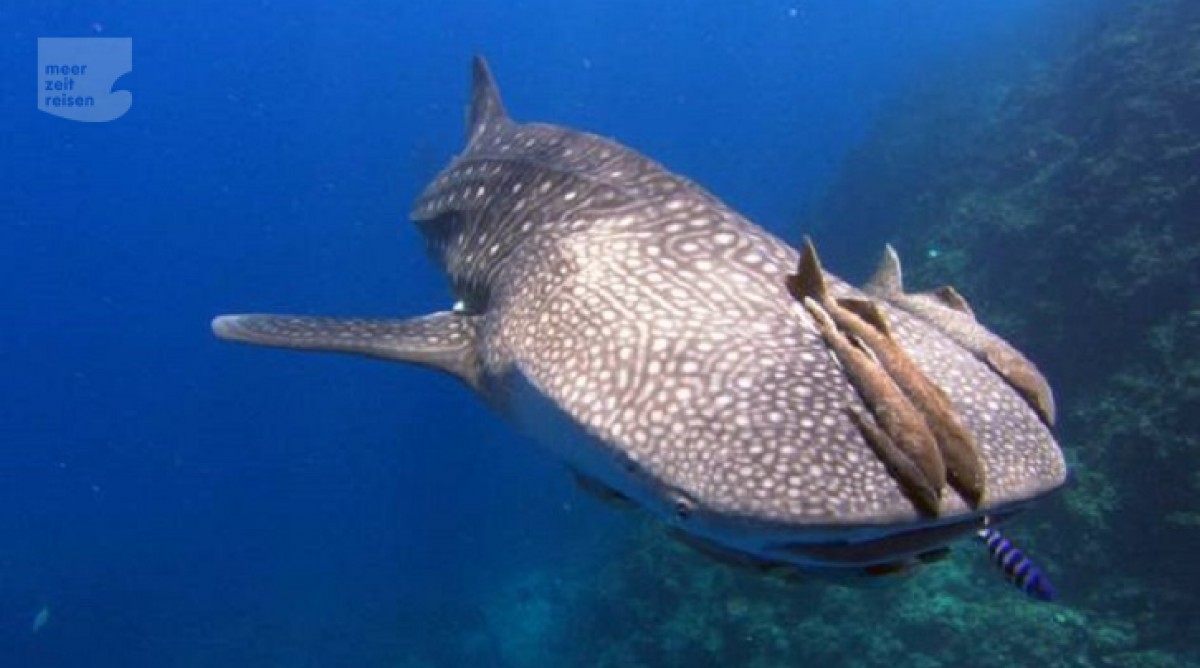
(658, 603)
(1067, 207)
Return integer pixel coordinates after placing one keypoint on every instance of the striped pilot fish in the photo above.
(1017, 567)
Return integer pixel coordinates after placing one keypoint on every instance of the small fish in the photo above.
(41, 619)
(1018, 569)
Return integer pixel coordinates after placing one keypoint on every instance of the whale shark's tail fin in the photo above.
(445, 341)
(486, 107)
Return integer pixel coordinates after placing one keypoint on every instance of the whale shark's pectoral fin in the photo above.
(446, 341)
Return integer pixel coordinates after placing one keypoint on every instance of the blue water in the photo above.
(175, 501)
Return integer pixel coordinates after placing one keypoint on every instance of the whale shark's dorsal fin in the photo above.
(446, 341)
(888, 279)
(486, 107)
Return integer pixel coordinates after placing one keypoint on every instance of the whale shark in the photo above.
(676, 355)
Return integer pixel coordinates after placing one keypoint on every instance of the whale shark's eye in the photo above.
(683, 510)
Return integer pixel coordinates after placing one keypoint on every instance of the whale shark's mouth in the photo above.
(887, 548)
(882, 551)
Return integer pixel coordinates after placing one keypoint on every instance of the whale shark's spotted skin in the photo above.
(642, 330)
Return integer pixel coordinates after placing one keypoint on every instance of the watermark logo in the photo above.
(76, 76)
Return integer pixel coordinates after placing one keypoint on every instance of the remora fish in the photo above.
(946, 309)
(642, 330)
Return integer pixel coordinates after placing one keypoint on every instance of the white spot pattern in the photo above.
(657, 318)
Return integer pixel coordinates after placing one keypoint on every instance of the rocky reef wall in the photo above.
(1066, 206)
